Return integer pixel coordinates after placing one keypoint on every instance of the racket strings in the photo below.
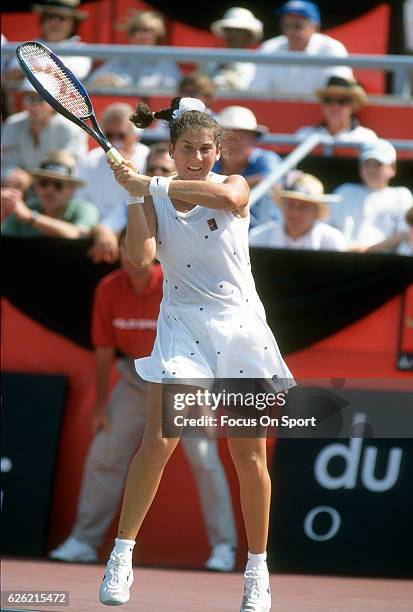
(55, 81)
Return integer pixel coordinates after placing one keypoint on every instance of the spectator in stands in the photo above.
(54, 211)
(99, 186)
(159, 162)
(303, 206)
(143, 28)
(239, 29)
(300, 22)
(241, 155)
(59, 21)
(197, 85)
(373, 211)
(125, 313)
(29, 135)
(340, 100)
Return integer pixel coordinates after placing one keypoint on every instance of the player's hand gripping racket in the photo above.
(62, 90)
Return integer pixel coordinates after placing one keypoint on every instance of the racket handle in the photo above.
(114, 155)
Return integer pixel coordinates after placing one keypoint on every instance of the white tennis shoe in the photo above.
(257, 595)
(222, 558)
(73, 550)
(114, 589)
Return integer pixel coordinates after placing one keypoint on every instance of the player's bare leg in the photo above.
(142, 483)
(250, 460)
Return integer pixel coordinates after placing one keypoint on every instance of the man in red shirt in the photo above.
(125, 313)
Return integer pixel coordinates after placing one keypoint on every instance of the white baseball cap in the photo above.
(380, 150)
(240, 118)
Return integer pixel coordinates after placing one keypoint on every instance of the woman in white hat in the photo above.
(58, 21)
(211, 326)
(340, 101)
(303, 205)
(239, 29)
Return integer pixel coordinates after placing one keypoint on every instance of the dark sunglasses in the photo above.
(135, 29)
(341, 101)
(163, 169)
(58, 185)
(57, 16)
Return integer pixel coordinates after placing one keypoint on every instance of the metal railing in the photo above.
(329, 144)
(288, 163)
(401, 66)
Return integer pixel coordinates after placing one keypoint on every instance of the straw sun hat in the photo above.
(308, 189)
(344, 87)
(60, 166)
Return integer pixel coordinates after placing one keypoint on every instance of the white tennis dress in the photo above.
(211, 322)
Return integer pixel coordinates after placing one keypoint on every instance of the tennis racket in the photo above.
(62, 90)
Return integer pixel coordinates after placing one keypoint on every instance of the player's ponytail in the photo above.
(143, 116)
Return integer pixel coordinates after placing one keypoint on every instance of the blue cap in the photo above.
(306, 9)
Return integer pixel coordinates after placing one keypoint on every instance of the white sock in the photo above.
(257, 560)
(124, 546)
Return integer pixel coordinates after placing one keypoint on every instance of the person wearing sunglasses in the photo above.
(300, 24)
(59, 21)
(340, 100)
(29, 135)
(99, 186)
(54, 210)
(142, 28)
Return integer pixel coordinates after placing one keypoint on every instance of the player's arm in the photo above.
(231, 195)
(140, 240)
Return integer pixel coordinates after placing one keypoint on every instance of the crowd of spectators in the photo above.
(367, 216)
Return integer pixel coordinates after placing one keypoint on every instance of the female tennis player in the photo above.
(211, 325)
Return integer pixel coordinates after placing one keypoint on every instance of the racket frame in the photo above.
(95, 132)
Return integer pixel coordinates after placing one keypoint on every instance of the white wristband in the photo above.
(130, 199)
(159, 186)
